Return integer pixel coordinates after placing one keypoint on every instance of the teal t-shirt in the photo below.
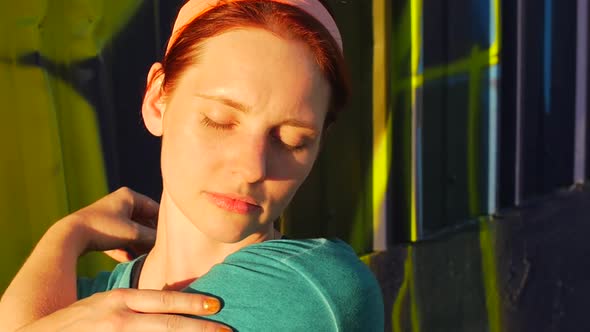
(281, 285)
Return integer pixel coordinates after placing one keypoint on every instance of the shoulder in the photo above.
(327, 264)
(300, 254)
(319, 283)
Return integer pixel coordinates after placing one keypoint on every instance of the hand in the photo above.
(133, 310)
(122, 224)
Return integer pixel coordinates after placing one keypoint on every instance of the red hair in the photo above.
(283, 20)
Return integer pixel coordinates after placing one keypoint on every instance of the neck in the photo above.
(182, 253)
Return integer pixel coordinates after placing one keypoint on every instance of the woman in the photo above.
(242, 100)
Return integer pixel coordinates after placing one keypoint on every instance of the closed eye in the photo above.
(219, 126)
(288, 147)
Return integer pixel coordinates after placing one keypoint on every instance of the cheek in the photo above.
(187, 157)
(288, 175)
(293, 166)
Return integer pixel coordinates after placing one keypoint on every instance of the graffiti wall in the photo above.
(486, 196)
(464, 142)
(64, 88)
(444, 95)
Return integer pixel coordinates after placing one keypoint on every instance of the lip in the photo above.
(234, 203)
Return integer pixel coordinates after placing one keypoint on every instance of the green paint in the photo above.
(490, 275)
(461, 66)
(52, 162)
(407, 292)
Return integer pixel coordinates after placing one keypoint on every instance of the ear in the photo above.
(153, 106)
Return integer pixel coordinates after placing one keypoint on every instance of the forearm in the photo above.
(47, 280)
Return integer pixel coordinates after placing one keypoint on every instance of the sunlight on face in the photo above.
(241, 132)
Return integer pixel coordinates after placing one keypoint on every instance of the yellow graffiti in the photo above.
(481, 58)
(407, 290)
(416, 49)
(471, 65)
(49, 135)
(410, 25)
(488, 248)
(381, 124)
(490, 275)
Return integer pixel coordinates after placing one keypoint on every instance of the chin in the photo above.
(226, 229)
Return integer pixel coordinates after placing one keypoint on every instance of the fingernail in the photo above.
(224, 329)
(211, 305)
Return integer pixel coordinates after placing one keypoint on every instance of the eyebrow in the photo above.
(300, 124)
(227, 101)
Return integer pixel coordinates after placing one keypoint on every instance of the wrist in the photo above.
(68, 234)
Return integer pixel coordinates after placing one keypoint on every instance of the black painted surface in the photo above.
(130, 56)
(399, 188)
(539, 254)
(507, 111)
(549, 97)
(543, 264)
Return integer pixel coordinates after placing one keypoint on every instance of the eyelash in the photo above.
(289, 147)
(210, 123)
(218, 126)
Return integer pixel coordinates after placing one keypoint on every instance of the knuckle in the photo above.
(124, 190)
(173, 322)
(114, 321)
(117, 295)
(167, 299)
(94, 298)
(125, 196)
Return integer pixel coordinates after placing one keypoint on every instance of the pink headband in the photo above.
(195, 8)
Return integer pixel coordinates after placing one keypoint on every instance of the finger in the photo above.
(161, 322)
(145, 236)
(143, 208)
(160, 301)
(131, 234)
(126, 235)
(141, 242)
(120, 255)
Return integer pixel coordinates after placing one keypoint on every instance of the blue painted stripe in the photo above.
(494, 73)
(547, 55)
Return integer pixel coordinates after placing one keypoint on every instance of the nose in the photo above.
(251, 160)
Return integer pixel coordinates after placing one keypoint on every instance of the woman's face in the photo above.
(241, 131)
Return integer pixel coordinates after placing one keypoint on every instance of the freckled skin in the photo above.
(250, 155)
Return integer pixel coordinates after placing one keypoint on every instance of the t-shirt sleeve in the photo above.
(89, 286)
(120, 277)
(295, 285)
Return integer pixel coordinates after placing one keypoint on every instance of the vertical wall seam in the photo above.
(581, 90)
(520, 49)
